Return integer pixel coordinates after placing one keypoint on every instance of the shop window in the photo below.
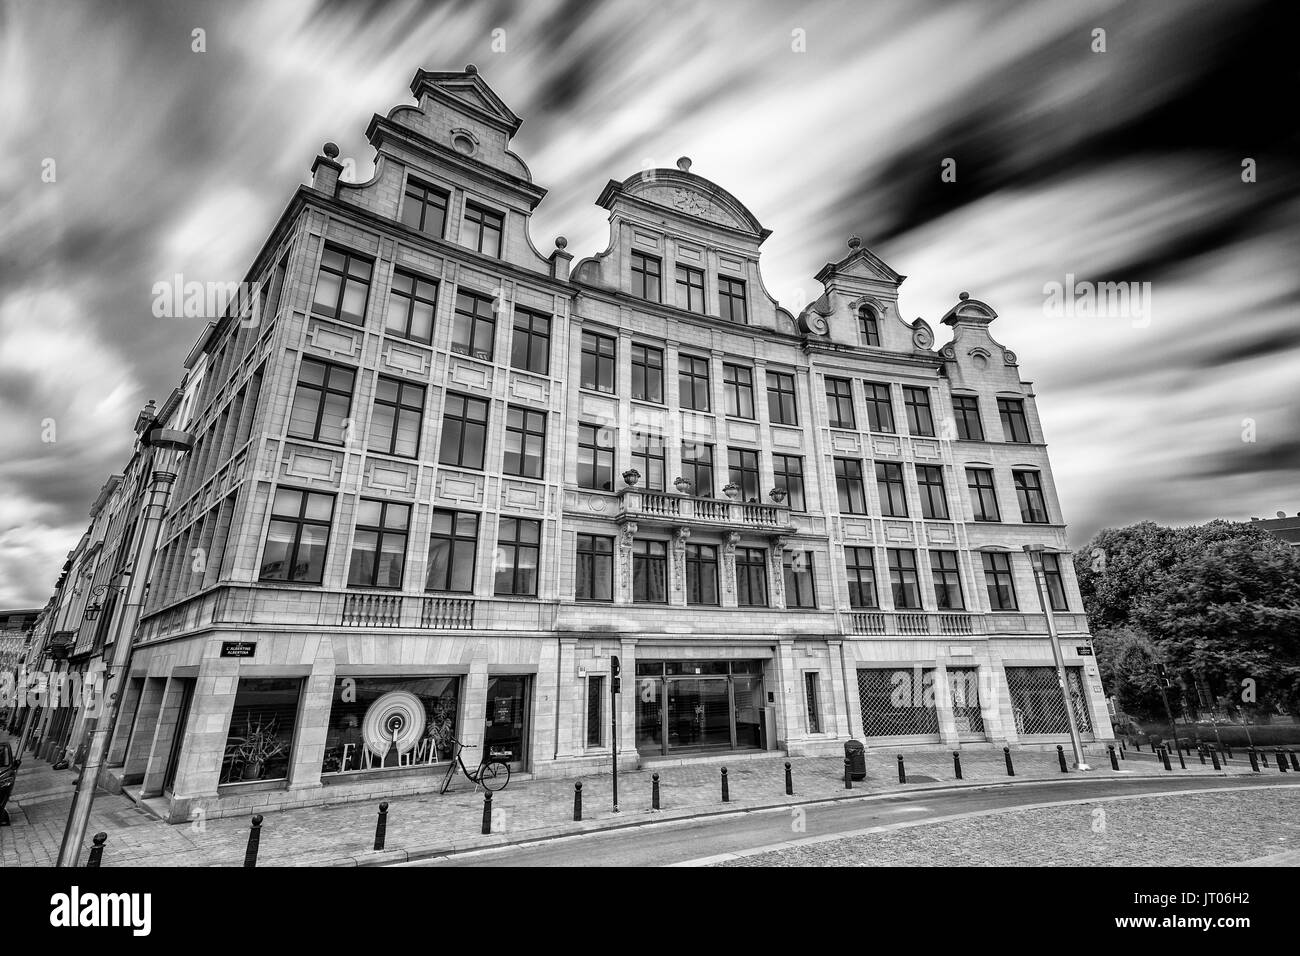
(259, 744)
(381, 723)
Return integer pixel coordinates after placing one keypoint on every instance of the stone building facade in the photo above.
(441, 480)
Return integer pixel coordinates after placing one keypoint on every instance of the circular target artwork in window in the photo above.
(395, 719)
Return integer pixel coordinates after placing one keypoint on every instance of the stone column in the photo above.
(313, 720)
(728, 570)
(623, 558)
(776, 572)
(160, 748)
(677, 557)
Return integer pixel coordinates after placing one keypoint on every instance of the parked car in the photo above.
(8, 777)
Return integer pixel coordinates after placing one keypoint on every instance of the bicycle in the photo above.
(491, 774)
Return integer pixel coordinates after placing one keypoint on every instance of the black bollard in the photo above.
(1123, 752)
(1114, 761)
(848, 769)
(956, 763)
(654, 791)
(1295, 762)
(902, 774)
(1006, 752)
(1181, 762)
(1137, 745)
(1227, 752)
(789, 780)
(1214, 756)
(577, 801)
(487, 812)
(1281, 760)
(726, 794)
(254, 841)
(1060, 757)
(1254, 759)
(381, 826)
(1164, 757)
(96, 851)
(1200, 751)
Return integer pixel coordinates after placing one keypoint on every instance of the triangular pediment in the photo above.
(466, 89)
(861, 263)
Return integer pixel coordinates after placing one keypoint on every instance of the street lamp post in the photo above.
(1035, 552)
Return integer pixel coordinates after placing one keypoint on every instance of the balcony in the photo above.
(959, 624)
(666, 508)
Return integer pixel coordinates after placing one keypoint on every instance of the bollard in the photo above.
(96, 851)
(654, 791)
(1123, 753)
(1214, 756)
(726, 794)
(1060, 757)
(487, 812)
(1295, 762)
(1227, 752)
(1281, 761)
(1181, 762)
(789, 780)
(1254, 759)
(848, 779)
(1114, 761)
(577, 801)
(902, 774)
(956, 763)
(254, 841)
(1137, 745)
(1006, 752)
(1164, 757)
(381, 826)
(1200, 750)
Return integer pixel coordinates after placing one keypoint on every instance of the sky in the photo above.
(127, 156)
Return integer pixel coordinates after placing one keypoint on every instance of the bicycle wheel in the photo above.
(494, 776)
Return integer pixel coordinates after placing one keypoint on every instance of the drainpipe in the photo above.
(167, 445)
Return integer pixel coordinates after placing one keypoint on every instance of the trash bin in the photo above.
(856, 754)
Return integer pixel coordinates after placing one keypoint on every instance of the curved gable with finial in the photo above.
(687, 194)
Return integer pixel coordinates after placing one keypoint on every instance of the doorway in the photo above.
(685, 706)
(505, 728)
(178, 735)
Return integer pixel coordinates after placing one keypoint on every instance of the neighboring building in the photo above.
(15, 630)
(411, 514)
(1283, 528)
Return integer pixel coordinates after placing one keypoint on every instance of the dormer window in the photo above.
(731, 300)
(647, 273)
(483, 229)
(869, 326)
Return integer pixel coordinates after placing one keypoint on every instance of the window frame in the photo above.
(963, 415)
(732, 389)
(526, 429)
(754, 561)
(854, 571)
(975, 491)
(993, 582)
(518, 544)
(780, 387)
(929, 496)
(891, 490)
(781, 479)
(642, 274)
(690, 378)
(838, 400)
(898, 579)
(1057, 598)
(524, 329)
(398, 407)
(872, 394)
(321, 391)
(919, 413)
(645, 362)
(453, 538)
(411, 298)
(684, 275)
(465, 419)
(695, 559)
(648, 555)
(474, 322)
(484, 214)
(869, 326)
(414, 183)
(595, 557)
(945, 573)
(597, 452)
(298, 521)
(845, 485)
(381, 532)
(694, 464)
(1011, 411)
(593, 344)
(728, 297)
(345, 276)
(797, 579)
(1030, 493)
(643, 445)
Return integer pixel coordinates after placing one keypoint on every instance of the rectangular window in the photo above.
(693, 382)
(518, 553)
(998, 582)
(396, 418)
(483, 229)
(690, 289)
(751, 577)
(598, 357)
(342, 286)
(697, 468)
(966, 409)
(595, 572)
(647, 374)
(813, 704)
(646, 276)
(297, 536)
(425, 208)
(411, 304)
(453, 551)
(861, 567)
(649, 571)
(869, 327)
(947, 581)
(781, 407)
(1055, 582)
(731, 300)
(464, 431)
(433, 704)
(596, 457)
(1029, 492)
(474, 326)
(738, 390)
(934, 501)
(920, 420)
(379, 544)
(797, 567)
(839, 403)
(525, 453)
(322, 402)
(530, 347)
(742, 470)
(1015, 427)
(903, 580)
(595, 710)
(880, 407)
(259, 743)
(889, 485)
(787, 473)
(648, 457)
(849, 486)
(701, 574)
(983, 497)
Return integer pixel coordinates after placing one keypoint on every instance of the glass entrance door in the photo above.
(699, 713)
(505, 729)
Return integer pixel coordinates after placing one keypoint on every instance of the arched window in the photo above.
(869, 325)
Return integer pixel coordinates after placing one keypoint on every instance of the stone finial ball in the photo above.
(561, 242)
(471, 69)
(963, 296)
(330, 150)
(854, 242)
(684, 164)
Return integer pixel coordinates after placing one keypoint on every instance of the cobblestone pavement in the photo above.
(427, 823)
(1194, 829)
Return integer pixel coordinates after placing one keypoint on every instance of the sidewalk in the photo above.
(428, 824)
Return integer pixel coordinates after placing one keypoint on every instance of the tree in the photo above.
(1126, 659)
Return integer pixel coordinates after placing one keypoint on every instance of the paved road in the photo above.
(676, 842)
